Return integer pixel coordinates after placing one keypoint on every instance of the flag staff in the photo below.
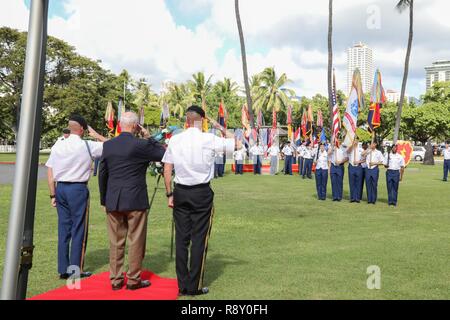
(24, 190)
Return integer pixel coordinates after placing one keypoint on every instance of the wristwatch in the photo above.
(168, 195)
(52, 196)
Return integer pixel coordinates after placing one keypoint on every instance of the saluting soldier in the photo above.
(321, 160)
(191, 154)
(395, 165)
(355, 171)
(446, 153)
(337, 160)
(374, 158)
(69, 170)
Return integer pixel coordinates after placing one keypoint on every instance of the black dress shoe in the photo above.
(64, 276)
(204, 290)
(117, 286)
(140, 285)
(182, 292)
(85, 274)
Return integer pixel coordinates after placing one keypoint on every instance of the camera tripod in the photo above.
(157, 187)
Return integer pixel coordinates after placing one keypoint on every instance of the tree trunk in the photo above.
(429, 157)
(405, 73)
(330, 63)
(244, 65)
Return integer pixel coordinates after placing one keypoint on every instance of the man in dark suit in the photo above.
(123, 192)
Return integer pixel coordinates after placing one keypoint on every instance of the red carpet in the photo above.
(97, 287)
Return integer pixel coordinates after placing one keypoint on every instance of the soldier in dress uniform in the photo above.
(300, 153)
(239, 158)
(321, 161)
(337, 158)
(446, 154)
(191, 155)
(69, 170)
(308, 156)
(288, 152)
(355, 171)
(374, 158)
(274, 152)
(395, 165)
(257, 152)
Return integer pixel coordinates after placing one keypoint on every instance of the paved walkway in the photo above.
(7, 173)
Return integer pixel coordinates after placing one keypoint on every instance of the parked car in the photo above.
(418, 153)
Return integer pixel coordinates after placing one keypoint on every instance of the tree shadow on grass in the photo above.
(97, 259)
(216, 264)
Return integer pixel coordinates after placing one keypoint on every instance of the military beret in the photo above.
(80, 120)
(197, 110)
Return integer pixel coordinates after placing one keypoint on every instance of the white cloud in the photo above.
(142, 36)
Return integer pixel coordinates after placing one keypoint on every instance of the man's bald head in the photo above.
(129, 122)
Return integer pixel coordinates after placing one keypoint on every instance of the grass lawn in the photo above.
(11, 157)
(272, 239)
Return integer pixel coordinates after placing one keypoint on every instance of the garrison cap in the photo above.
(80, 120)
(197, 110)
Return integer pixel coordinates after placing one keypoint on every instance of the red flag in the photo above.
(319, 119)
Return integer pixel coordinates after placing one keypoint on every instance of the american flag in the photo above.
(336, 115)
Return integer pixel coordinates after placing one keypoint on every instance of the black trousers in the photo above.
(193, 214)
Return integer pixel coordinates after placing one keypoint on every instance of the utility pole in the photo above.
(19, 248)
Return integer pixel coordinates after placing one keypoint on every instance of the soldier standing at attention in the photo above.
(395, 165)
(446, 153)
(374, 159)
(337, 170)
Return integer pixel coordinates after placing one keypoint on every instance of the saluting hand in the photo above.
(170, 201)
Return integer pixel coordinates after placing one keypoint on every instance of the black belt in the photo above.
(67, 182)
(196, 186)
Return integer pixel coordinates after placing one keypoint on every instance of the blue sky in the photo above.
(56, 8)
(172, 39)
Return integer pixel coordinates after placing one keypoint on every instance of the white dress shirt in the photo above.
(322, 160)
(396, 161)
(287, 150)
(70, 159)
(239, 155)
(301, 150)
(446, 153)
(192, 155)
(374, 156)
(308, 153)
(273, 151)
(354, 156)
(257, 150)
(337, 155)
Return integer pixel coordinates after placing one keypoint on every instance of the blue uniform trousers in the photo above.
(239, 167)
(392, 182)
(72, 204)
(337, 181)
(446, 168)
(307, 168)
(300, 165)
(256, 164)
(372, 184)
(355, 176)
(288, 165)
(363, 180)
(321, 183)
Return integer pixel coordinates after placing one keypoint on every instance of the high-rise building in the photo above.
(394, 96)
(438, 71)
(360, 56)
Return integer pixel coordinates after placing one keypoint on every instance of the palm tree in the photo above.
(179, 98)
(402, 5)
(226, 88)
(330, 60)
(244, 64)
(200, 87)
(271, 94)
